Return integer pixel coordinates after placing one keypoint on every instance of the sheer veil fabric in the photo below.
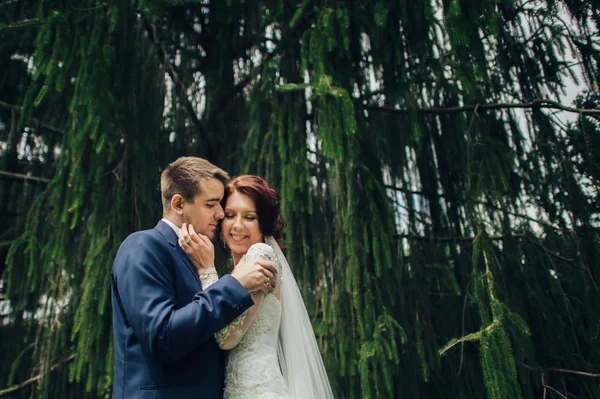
(299, 356)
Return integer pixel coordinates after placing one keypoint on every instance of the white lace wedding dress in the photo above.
(253, 368)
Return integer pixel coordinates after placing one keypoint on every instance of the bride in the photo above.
(272, 348)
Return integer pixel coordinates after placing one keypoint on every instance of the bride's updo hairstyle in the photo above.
(265, 199)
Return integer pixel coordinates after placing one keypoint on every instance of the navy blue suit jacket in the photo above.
(164, 324)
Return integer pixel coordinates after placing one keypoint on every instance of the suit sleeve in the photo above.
(146, 290)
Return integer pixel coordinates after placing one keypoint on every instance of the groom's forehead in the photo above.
(211, 189)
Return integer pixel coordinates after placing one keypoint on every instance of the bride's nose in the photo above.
(237, 224)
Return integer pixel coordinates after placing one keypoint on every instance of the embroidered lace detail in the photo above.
(252, 366)
(229, 336)
(208, 277)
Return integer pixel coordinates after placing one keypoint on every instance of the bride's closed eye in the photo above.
(232, 215)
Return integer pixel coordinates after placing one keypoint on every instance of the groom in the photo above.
(163, 321)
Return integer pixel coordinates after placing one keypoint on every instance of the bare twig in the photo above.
(464, 312)
(21, 24)
(35, 379)
(452, 238)
(496, 237)
(544, 384)
(89, 9)
(21, 176)
(485, 203)
(582, 373)
(554, 254)
(37, 122)
(542, 103)
(7, 2)
(555, 390)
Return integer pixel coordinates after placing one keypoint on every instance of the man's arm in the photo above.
(147, 293)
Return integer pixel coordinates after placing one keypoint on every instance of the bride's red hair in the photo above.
(265, 199)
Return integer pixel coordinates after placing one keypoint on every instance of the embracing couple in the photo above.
(173, 316)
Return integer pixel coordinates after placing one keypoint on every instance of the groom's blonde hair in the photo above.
(183, 177)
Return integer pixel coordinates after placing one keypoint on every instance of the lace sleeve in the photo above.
(208, 277)
(230, 336)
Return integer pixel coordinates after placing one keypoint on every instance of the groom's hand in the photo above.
(197, 247)
(259, 275)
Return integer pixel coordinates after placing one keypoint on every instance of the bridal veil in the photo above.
(299, 355)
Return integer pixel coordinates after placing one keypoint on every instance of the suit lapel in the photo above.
(167, 232)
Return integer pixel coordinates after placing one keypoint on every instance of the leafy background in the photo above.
(442, 210)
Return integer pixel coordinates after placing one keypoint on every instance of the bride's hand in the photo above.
(197, 247)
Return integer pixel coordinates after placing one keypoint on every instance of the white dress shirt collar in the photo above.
(173, 226)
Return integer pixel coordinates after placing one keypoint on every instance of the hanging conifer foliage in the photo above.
(442, 215)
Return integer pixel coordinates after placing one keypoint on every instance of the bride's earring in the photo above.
(223, 241)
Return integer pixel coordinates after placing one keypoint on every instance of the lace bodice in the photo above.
(252, 366)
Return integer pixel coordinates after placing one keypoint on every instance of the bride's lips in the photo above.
(237, 238)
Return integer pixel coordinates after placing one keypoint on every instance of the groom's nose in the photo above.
(220, 214)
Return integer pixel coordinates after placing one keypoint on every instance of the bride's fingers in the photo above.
(180, 238)
(193, 235)
(185, 235)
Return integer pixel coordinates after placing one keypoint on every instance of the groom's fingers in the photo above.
(268, 269)
(268, 272)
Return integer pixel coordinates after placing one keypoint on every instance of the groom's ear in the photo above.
(177, 202)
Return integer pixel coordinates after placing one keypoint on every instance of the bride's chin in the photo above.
(237, 248)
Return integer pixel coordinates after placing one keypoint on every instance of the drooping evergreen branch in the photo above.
(463, 200)
(173, 74)
(21, 176)
(542, 103)
(476, 336)
(495, 238)
(32, 380)
(17, 108)
(450, 52)
(239, 87)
